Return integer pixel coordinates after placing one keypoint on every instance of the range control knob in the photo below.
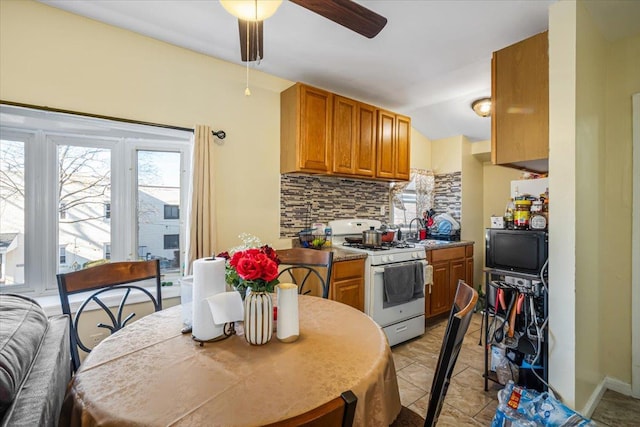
(384, 258)
(390, 258)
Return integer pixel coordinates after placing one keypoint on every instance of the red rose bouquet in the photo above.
(255, 268)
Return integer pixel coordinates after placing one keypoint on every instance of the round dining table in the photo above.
(151, 374)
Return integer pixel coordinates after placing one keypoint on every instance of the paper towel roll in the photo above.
(287, 301)
(208, 280)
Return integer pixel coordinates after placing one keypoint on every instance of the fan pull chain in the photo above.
(247, 91)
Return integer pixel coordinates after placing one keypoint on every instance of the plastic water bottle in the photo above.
(327, 235)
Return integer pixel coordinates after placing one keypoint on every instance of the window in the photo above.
(96, 170)
(171, 241)
(171, 212)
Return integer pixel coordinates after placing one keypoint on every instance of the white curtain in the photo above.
(202, 219)
(424, 183)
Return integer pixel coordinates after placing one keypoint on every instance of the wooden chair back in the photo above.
(301, 266)
(457, 325)
(338, 412)
(99, 280)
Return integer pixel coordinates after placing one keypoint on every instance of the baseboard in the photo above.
(593, 401)
(618, 386)
(607, 383)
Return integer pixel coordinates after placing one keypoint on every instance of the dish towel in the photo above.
(419, 281)
(428, 275)
(399, 283)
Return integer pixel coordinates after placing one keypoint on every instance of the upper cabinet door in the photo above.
(403, 147)
(386, 144)
(520, 100)
(365, 147)
(305, 129)
(344, 134)
(315, 130)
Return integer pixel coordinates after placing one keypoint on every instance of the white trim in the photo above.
(635, 251)
(607, 383)
(594, 399)
(51, 303)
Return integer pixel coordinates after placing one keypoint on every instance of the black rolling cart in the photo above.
(515, 326)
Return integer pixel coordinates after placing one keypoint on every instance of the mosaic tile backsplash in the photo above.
(448, 194)
(328, 198)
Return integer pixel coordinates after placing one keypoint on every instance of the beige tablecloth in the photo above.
(150, 374)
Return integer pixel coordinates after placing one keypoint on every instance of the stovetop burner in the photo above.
(385, 246)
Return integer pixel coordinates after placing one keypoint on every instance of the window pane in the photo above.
(158, 210)
(11, 213)
(84, 188)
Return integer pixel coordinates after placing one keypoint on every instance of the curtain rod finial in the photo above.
(219, 133)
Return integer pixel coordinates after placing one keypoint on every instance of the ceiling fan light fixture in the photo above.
(251, 10)
(482, 107)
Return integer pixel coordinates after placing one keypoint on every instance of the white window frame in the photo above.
(41, 201)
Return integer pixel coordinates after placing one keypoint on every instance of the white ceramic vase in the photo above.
(258, 318)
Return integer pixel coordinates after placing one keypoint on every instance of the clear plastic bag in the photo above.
(507, 371)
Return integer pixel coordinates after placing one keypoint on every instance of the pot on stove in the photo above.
(371, 237)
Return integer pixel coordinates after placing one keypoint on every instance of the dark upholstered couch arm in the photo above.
(39, 390)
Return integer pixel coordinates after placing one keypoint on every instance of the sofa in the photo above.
(34, 363)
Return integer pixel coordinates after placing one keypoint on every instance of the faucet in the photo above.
(414, 236)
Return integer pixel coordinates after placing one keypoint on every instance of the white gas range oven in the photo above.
(400, 321)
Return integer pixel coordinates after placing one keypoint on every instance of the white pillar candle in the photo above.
(287, 301)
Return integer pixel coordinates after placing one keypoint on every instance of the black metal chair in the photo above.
(338, 412)
(457, 325)
(300, 265)
(102, 279)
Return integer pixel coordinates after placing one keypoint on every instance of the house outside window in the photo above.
(171, 241)
(86, 171)
(171, 212)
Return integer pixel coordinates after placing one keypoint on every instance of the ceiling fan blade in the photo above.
(348, 14)
(255, 46)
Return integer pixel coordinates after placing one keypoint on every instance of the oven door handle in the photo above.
(380, 270)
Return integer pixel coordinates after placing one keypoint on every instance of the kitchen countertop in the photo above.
(442, 244)
(339, 254)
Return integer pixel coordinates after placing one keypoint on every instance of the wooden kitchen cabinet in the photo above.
(347, 283)
(305, 129)
(520, 104)
(353, 137)
(393, 146)
(449, 266)
(328, 134)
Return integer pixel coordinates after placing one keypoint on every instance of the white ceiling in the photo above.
(430, 62)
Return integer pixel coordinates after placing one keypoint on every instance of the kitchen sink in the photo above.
(433, 242)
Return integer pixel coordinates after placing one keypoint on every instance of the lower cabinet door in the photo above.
(438, 299)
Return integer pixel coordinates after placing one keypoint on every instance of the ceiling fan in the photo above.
(347, 13)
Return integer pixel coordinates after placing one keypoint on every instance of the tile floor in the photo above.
(466, 403)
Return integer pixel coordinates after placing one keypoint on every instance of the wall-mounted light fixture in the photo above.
(482, 107)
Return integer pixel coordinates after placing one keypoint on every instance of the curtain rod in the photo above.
(100, 116)
(220, 134)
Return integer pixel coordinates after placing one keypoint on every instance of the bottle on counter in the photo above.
(508, 215)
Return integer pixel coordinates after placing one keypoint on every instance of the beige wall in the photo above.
(53, 58)
(496, 190)
(446, 155)
(591, 83)
(623, 80)
(589, 150)
(562, 189)
(420, 150)
(471, 211)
